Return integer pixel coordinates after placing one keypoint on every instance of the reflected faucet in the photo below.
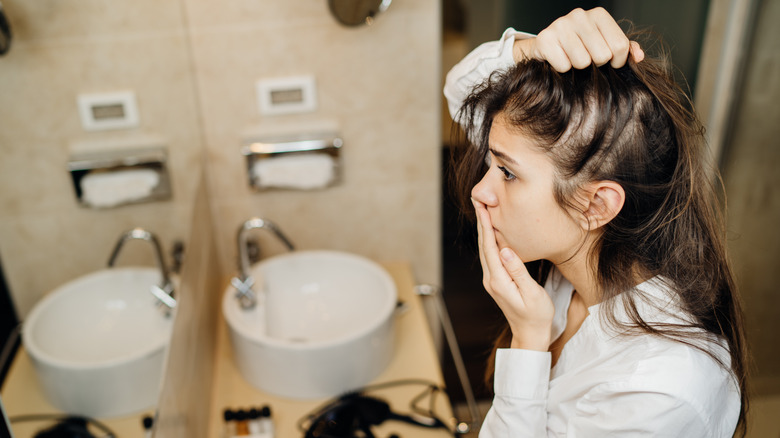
(164, 291)
(244, 282)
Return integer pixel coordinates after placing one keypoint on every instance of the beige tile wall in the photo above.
(378, 85)
(61, 49)
(193, 65)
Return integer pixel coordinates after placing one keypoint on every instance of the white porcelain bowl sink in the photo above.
(323, 324)
(98, 343)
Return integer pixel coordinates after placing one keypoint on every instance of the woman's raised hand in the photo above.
(578, 39)
(526, 305)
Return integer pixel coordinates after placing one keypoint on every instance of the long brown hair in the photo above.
(635, 126)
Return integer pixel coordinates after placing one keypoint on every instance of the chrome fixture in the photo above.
(263, 152)
(244, 282)
(147, 164)
(164, 291)
(357, 12)
(435, 293)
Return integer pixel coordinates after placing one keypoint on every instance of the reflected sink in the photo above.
(323, 324)
(98, 343)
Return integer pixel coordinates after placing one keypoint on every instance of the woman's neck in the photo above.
(582, 274)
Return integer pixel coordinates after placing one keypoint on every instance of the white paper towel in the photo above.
(300, 171)
(108, 189)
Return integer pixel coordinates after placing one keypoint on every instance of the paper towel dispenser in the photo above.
(106, 179)
(295, 162)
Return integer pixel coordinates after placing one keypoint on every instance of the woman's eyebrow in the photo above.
(503, 156)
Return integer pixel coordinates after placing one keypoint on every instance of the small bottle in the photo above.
(242, 425)
(267, 422)
(255, 427)
(230, 423)
(147, 422)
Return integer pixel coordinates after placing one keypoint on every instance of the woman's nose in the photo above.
(483, 193)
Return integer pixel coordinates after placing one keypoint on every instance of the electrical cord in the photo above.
(8, 349)
(5, 32)
(435, 292)
(66, 423)
(358, 411)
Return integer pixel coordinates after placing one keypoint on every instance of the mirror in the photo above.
(193, 66)
(47, 239)
(357, 12)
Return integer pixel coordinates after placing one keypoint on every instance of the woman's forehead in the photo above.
(508, 141)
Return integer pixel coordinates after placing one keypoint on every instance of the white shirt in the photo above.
(604, 384)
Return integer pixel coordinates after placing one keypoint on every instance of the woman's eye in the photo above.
(508, 176)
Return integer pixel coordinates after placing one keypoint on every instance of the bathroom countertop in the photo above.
(415, 358)
(22, 395)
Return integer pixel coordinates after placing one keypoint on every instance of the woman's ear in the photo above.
(604, 201)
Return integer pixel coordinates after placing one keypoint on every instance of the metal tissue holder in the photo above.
(153, 158)
(256, 149)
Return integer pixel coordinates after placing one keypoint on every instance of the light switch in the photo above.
(289, 95)
(115, 110)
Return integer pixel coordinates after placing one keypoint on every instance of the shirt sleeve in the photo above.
(521, 382)
(477, 66)
(617, 408)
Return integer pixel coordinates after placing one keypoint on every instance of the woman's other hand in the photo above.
(578, 39)
(526, 305)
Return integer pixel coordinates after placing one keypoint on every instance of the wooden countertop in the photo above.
(415, 358)
(22, 395)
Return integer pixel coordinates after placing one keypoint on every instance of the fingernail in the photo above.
(507, 254)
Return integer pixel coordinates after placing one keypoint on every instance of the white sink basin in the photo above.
(323, 324)
(98, 343)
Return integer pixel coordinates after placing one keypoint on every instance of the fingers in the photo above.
(479, 236)
(486, 238)
(592, 43)
(552, 51)
(583, 37)
(502, 269)
(526, 305)
(494, 276)
(612, 36)
(516, 269)
(637, 54)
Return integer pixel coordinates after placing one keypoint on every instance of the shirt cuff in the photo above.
(522, 374)
(505, 53)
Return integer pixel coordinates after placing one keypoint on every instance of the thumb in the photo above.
(515, 267)
(636, 52)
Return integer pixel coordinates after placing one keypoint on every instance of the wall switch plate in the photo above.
(290, 95)
(116, 110)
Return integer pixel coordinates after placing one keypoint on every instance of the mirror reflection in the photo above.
(183, 77)
(357, 12)
(94, 338)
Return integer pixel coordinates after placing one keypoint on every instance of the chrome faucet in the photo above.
(164, 291)
(244, 282)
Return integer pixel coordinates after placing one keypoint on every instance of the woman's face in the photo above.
(518, 193)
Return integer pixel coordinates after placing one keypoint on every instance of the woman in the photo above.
(588, 159)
